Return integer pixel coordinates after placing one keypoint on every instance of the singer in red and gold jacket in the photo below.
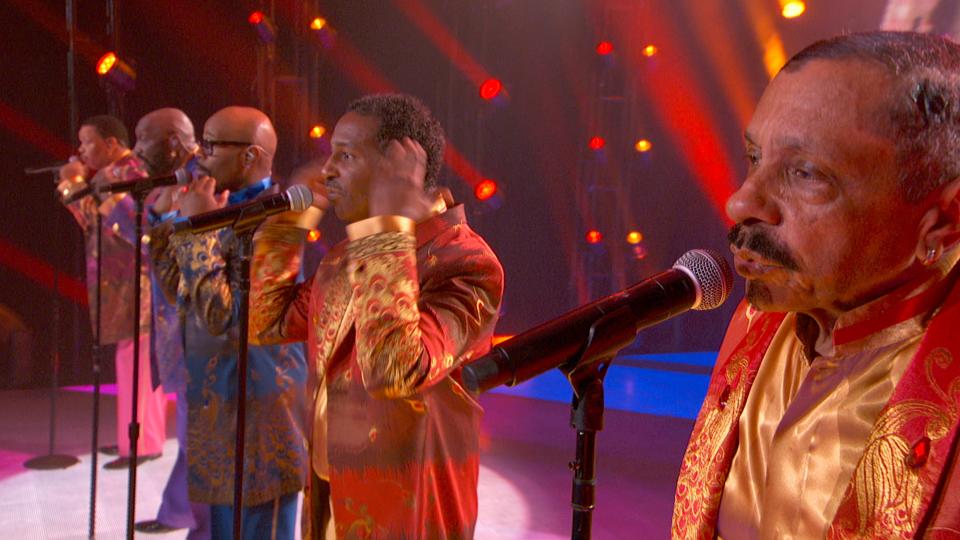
(390, 317)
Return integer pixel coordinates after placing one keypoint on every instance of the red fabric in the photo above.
(889, 495)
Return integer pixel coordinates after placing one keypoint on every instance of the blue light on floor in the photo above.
(647, 390)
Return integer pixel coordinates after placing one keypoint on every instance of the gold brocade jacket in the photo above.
(906, 483)
(199, 272)
(389, 320)
(117, 264)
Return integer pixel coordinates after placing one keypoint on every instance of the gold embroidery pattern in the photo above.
(381, 243)
(886, 492)
(698, 489)
(703, 471)
(273, 275)
(389, 348)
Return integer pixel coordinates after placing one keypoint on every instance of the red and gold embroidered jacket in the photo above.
(907, 481)
(389, 320)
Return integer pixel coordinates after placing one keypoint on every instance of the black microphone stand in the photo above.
(585, 372)
(52, 461)
(97, 358)
(139, 196)
(244, 230)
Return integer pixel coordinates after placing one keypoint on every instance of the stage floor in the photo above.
(526, 445)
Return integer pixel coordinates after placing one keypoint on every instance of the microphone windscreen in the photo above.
(300, 197)
(711, 274)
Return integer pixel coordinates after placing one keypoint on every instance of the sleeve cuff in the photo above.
(380, 224)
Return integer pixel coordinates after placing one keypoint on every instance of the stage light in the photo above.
(485, 189)
(116, 72)
(596, 142)
(594, 236)
(313, 235)
(792, 8)
(265, 29)
(490, 89)
(643, 145)
(323, 32)
(317, 131)
(650, 50)
(634, 237)
(639, 252)
(604, 48)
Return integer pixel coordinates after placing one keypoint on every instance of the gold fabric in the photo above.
(380, 224)
(807, 422)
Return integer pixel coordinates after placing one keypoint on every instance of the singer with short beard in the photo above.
(198, 273)
(105, 157)
(390, 317)
(166, 143)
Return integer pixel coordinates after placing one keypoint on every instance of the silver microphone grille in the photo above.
(300, 197)
(712, 275)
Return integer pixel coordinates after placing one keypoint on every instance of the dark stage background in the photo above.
(691, 100)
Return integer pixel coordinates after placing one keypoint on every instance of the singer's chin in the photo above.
(759, 295)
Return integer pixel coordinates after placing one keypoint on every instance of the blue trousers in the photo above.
(272, 520)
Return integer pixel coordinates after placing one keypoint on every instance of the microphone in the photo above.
(700, 280)
(140, 185)
(45, 168)
(298, 198)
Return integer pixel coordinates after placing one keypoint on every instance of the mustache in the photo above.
(761, 243)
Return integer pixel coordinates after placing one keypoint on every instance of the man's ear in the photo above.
(940, 225)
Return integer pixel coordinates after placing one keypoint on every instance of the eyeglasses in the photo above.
(207, 145)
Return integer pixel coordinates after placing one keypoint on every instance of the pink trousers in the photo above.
(152, 404)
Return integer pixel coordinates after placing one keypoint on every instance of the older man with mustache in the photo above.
(833, 409)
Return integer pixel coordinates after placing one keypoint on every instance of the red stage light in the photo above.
(604, 48)
(485, 189)
(256, 17)
(490, 89)
(594, 236)
(596, 142)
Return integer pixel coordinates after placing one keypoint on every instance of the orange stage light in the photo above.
(650, 50)
(318, 23)
(116, 73)
(634, 237)
(792, 8)
(594, 236)
(485, 189)
(313, 235)
(643, 145)
(596, 142)
(317, 131)
(490, 89)
(106, 62)
(604, 48)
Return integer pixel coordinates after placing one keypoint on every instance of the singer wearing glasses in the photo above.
(389, 317)
(198, 273)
